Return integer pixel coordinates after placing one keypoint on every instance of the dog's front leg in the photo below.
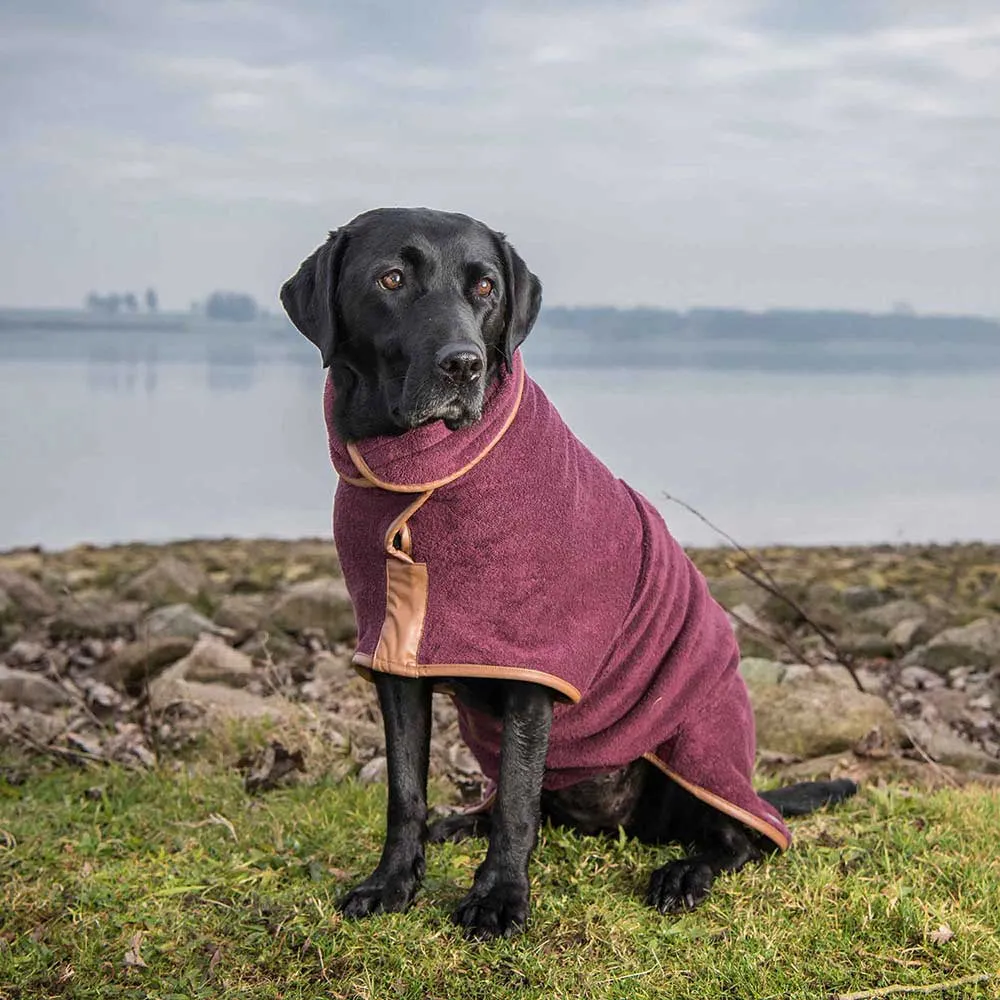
(497, 903)
(406, 714)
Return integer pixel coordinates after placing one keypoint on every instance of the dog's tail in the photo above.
(808, 796)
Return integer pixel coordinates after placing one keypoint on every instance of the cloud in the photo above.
(714, 151)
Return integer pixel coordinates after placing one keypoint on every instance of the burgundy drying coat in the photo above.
(508, 550)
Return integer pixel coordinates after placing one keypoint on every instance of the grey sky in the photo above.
(841, 153)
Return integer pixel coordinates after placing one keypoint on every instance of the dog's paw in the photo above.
(459, 827)
(493, 911)
(680, 885)
(390, 892)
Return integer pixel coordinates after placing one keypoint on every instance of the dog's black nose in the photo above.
(460, 362)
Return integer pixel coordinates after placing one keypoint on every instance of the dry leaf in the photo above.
(265, 769)
(133, 959)
(214, 960)
(874, 745)
(942, 934)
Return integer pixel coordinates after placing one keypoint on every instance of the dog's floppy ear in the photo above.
(524, 299)
(308, 296)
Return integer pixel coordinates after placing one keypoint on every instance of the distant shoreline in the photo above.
(779, 341)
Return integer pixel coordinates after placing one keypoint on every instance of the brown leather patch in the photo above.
(405, 611)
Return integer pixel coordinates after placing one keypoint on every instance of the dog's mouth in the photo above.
(456, 414)
(457, 406)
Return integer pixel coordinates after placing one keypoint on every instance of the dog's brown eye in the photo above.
(484, 286)
(391, 280)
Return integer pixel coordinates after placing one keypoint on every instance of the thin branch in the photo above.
(73, 756)
(927, 757)
(767, 582)
(842, 657)
(784, 638)
(885, 991)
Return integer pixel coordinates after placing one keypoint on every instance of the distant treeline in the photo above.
(776, 325)
(115, 302)
(234, 306)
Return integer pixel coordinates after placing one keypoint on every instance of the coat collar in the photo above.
(431, 455)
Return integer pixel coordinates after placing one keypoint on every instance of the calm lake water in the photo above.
(101, 444)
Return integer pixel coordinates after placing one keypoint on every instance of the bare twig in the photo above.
(766, 582)
(73, 756)
(885, 991)
(775, 591)
(927, 757)
(214, 819)
(784, 638)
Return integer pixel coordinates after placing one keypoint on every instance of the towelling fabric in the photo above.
(507, 549)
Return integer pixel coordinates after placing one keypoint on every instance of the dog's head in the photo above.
(415, 312)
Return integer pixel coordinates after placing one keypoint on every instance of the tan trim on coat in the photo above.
(363, 483)
(723, 805)
(405, 612)
(365, 664)
(362, 466)
(400, 527)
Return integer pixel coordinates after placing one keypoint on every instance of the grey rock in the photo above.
(78, 619)
(781, 611)
(760, 672)
(907, 633)
(216, 701)
(946, 705)
(168, 581)
(731, 591)
(862, 598)
(958, 677)
(26, 596)
(974, 645)
(823, 673)
(920, 678)
(374, 770)
(813, 718)
(143, 660)
(213, 661)
(873, 644)
(754, 634)
(316, 604)
(885, 617)
(274, 648)
(243, 613)
(178, 621)
(30, 690)
(25, 653)
(333, 669)
(825, 606)
(757, 646)
(941, 743)
(95, 648)
(330, 674)
(100, 696)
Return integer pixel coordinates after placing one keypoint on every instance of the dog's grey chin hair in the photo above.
(455, 415)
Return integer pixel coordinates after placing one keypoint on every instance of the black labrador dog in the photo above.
(416, 313)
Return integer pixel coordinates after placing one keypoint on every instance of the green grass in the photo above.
(235, 897)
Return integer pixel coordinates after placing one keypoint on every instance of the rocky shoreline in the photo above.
(874, 662)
